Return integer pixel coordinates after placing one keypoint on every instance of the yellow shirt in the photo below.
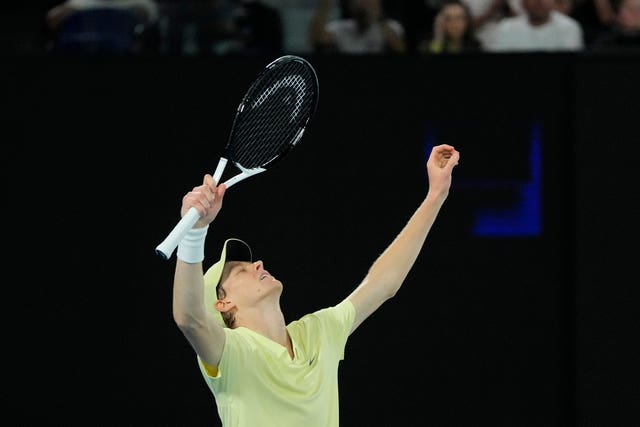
(257, 384)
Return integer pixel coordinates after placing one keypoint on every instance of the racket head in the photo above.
(273, 113)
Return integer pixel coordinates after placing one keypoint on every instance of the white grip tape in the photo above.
(186, 223)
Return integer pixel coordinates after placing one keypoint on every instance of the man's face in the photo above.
(455, 20)
(538, 10)
(247, 283)
(629, 15)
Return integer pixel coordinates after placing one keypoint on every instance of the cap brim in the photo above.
(232, 250)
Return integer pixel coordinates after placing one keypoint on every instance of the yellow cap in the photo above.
(232, 250)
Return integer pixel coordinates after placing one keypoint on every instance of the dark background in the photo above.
(513, 329)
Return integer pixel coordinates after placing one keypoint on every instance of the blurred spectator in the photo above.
(221, 27)
(365, 30)
(624, 34)
(418, 20)
(260, 27)
(296, 20)
(206, 27)
(102, 26)
(191, 27)
(486, 15)
(452, 31)
(541, 28)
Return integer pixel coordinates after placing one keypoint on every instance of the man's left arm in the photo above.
(388, 272)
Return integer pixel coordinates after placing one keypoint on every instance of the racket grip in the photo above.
(186, 223)
(222, 163)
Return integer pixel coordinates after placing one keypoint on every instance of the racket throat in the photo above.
(246, 173)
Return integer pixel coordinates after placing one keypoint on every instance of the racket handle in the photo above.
(222, 163)
(170, 243)
(186, 223)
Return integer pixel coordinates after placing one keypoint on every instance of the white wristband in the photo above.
(191, 247)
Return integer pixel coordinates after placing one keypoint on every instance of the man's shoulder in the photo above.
(343, 308)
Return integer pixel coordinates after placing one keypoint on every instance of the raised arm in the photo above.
(202, 330)
(388, 272)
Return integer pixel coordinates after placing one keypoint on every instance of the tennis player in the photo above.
(262, 370)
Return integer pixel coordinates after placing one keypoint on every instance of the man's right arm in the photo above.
(201, 328)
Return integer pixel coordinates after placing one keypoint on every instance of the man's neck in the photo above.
(537, 21)
(270, 324)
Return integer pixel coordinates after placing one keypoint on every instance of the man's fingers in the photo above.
(453, 159)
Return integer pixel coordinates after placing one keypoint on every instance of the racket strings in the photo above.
(276, 109)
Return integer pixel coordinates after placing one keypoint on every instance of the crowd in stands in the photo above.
(400, 27)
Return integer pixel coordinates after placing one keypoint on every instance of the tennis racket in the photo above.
(268, 123)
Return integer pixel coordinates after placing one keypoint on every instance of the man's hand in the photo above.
(442, 160)
(206, 198)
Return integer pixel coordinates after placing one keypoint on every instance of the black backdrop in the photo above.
(528, 328)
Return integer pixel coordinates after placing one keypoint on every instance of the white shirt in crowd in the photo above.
(560, 33)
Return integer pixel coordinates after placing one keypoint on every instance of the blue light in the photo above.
(523, 218)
